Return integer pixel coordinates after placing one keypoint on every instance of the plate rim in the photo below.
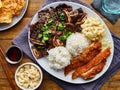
(19, 19)
(110, 36)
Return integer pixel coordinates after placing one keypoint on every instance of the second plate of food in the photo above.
(71, 42)
(11, 13)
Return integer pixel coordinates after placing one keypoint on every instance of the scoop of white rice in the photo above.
(76, 43)
(59, 57)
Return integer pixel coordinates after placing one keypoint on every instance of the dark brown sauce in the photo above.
(14, 54)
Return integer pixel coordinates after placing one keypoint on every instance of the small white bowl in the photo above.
(12, 53)
(39, 82)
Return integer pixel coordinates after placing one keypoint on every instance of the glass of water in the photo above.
(111, 6)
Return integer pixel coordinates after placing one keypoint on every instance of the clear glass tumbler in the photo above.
(111, 6)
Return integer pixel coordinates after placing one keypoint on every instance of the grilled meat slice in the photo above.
(36, 53)
(35, 41)
(62, 7)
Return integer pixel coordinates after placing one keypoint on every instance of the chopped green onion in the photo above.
(39, 35)
(39, 47)
(68, 34)
(62, 16)
(44, 27)
(65, 36)
(43, 41)
(61, 26)
(45, 32)
(51, 23)
(45, 38)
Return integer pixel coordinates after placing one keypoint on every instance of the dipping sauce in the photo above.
(14, 54)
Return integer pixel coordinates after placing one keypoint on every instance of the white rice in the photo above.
(76, 43)
(59, 57)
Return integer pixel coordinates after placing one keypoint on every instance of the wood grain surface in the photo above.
(5, 41)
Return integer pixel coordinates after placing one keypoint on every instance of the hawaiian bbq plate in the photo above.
(43, 62)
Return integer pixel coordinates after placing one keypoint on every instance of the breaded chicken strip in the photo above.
(93, 71)
(71, 67)
(87, 55)
(95, 61)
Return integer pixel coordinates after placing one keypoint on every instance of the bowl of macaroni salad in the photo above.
(28, 76)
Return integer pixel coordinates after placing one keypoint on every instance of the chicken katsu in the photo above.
(93, 71)
(88, 54)
(95, 61)
(71, 67)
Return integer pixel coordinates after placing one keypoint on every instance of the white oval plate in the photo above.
(60, 74)
(16, 19)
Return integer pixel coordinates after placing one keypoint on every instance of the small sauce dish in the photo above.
(13, 54)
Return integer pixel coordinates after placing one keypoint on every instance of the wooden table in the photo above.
(5, 41)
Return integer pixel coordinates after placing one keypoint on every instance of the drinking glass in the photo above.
(111, 6)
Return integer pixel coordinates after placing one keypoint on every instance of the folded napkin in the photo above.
(97, 4)
(22, 41)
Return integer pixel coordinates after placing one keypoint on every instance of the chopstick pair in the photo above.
(7, 73)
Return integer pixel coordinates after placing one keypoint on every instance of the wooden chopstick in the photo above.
(2, 52)
(3, 63)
